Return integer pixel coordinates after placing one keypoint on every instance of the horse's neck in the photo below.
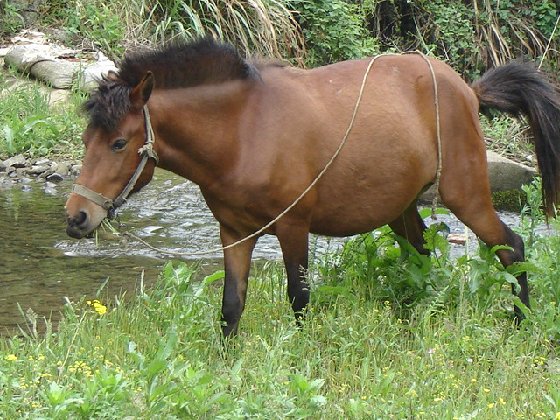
(196, 129)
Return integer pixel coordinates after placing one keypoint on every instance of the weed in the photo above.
(28, 124)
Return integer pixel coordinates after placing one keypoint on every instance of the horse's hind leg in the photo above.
(410, 226)
(470, 200)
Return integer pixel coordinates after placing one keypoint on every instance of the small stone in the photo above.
(15, 161)
(55, 177)
(47, 173)
(62, 169)
(43, 162)
(38, 169)
(457, 238)
(26, 188)
(76, 169)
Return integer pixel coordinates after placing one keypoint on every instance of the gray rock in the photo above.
(504, 175)
(38, 169)
(76, 169)
(43, 161)
(41, 62)
(18, 161)
(46, 174)
(62, 168)
(55, 177)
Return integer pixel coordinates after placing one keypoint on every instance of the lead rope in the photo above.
(322, 172)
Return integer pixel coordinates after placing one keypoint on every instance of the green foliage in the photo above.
(263, 27)
(11, 20)
(28, 124)
(389, 269)
(99, 22)
(454, 33)
(333, 31)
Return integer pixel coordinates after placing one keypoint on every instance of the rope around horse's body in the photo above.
(327, 166)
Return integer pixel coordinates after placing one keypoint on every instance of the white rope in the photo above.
(325, 168)
(438, 135)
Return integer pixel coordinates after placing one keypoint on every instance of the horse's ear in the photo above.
(142, 91)
(112, 76)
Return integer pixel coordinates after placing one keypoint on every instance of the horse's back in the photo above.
(391, 152)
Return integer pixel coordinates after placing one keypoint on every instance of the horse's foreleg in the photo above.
(237, 262)
(294, 240)
(410, 226)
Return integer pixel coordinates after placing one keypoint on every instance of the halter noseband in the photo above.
(146, 151)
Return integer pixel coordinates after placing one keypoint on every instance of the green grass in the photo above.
(30, 125)
(393, 344)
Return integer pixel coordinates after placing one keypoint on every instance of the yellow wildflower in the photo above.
(11, 358)
(97, 306)
(491, 405)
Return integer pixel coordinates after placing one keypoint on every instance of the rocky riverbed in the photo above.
(21, 170)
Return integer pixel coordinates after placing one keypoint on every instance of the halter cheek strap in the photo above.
(146, 152)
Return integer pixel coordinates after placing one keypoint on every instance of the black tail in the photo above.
(518, 88)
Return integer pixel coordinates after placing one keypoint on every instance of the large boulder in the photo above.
(58, 66)
(504, 175)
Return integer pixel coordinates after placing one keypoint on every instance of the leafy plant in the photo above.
(333, 31)
(28, 124)
(11, 20)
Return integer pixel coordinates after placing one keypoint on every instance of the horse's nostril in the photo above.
(79, 220)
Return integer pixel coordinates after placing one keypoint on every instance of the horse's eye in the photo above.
(118, 145)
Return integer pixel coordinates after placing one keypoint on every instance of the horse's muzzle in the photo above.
(78, 226)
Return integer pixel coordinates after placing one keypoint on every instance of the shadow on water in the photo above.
(40, 266)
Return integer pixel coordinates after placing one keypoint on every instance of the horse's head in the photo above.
(118, 156)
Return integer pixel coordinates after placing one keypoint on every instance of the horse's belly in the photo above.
(344, 216)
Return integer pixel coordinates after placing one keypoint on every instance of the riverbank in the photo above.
(23, 170)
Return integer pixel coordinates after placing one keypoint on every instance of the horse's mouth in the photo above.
(77, 233)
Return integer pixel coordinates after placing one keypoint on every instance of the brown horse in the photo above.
(253, 136)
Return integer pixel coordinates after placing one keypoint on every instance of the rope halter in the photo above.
(146, 152)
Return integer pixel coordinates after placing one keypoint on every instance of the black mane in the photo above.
(179, 64)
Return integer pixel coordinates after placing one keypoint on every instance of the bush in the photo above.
(333, 31)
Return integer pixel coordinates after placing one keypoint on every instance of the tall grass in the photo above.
(263, 27)
(29, 124)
